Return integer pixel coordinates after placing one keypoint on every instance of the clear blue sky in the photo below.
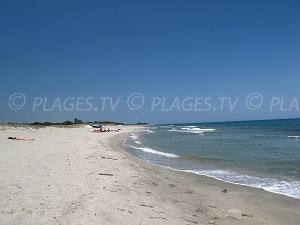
(157, 48)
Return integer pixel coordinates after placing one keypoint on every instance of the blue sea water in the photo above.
(262, 154)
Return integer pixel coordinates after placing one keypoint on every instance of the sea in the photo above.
(262, 154)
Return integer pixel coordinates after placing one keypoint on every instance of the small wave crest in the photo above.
(192, 130)
(166, 126)
(295, 137)
(149, 131)
(152, 151)
(134, 137)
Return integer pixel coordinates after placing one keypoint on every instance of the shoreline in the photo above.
(267, 189)
(220, 180)
(197, 179)
(72, 176)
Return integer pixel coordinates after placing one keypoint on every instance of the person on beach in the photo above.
(21, 139)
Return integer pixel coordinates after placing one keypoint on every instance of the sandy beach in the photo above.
(72, 176)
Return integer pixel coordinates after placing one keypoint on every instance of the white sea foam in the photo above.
(149, 131)
(296, 137)
(197, 129)
(289, 188)
(134, 136)
(192, 130)
(150, 150)
(166, 126)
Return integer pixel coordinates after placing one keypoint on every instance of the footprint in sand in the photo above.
(191, 221)
(148, 206)
(137, 184)
(122, 210)
(246, 215)
(157, 217)
(148, 193)
(201, 210)
(154, 184)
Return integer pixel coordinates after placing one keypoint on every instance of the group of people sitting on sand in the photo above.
(102, 129)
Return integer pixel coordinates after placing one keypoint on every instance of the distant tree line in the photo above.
(78, 121)
(67, 122)
(105, 122)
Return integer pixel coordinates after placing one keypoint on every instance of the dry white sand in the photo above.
(71, 176)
